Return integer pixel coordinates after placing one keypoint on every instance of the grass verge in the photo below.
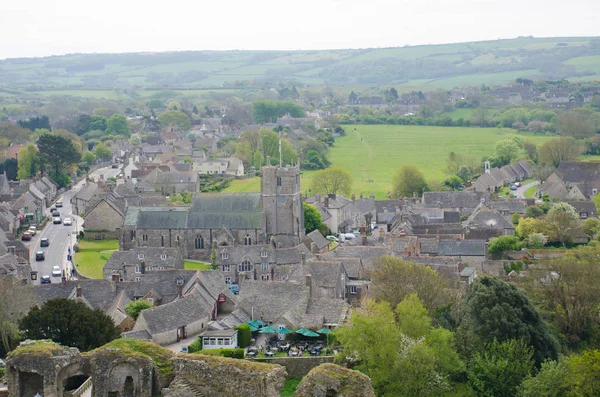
(92, 256)
(194, 265)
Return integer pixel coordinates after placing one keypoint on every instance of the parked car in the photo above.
(349, 236)
(114, 166)
(45, 279)
(58, 204)
(333, 238)
(57, 220)
(44, 242)
(518, 184)
(32, 230)
(52, 209)
(234, 288)
(513, 186)
(26, 236)
(39, 256)
(55, 212)
(67, 222)
(56, 271)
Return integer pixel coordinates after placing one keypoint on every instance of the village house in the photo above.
(316, 243)
(134, 264)
(226, 166)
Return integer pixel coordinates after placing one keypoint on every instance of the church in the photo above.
(274, 216)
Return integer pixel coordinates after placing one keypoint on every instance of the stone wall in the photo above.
(296, 367)
(103, 217)
(332, 380)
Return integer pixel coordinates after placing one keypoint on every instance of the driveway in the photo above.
(520, 192)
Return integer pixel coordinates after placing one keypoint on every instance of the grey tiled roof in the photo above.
(317, 238)
(577, 171)
(143, 334)
(325, 274)
(274, 300)
(462, 248)
(366, 254)
(99, 293)
(176, 314)
(511, 206)
(162, 219)
(227, 202)
(584, 206)
(228, 219)
(152, 256)
(163, 282)
(334, 311)
(87, 192)
(488, 219)
(453, 199)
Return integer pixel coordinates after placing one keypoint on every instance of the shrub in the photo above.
(536, 240)
(2, 373)
(504, 243)
(231, 353)
(515, 218)
(244, 335)
(533, 212)
(195, 346)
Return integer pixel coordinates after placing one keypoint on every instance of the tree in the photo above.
(334, 180)
(531, 151)
(258, 160)
(312, 217)
(536, 240)
(82, 124)
(244, 335)
(174, 119)
(591, 226)
(134, 308)
(504, 243)
(413, 319)
(35, 123)
(10, 167)
(561, 222)
(58, 152)
(102, 151)
(479, 116)
(498, 310)
(16, 299)
(533, 211)
(551, 381)
(70, 323)
(13, 132)
(117, 125)
(499, 369)
(393, 279)
(449, 362)
(508, 150)
(584, 370)
(88, 158)
(408, 180)
(528, 226)
(557, 150)
(453, 182)
(29, 162)
(97, 122)
(576, 123)
(541, 172)
(270, 111)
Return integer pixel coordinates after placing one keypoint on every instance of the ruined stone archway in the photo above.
(30, 383)
(70, 378)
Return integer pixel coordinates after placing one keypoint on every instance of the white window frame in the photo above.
(227, 280)
(163, 257)
(224, 255)
(264, 266)
(353, 289)
(264, 254)
(138, 279)
(265, 277)
(138, 269)
(140, 256)
(150, 300)
(226, 268)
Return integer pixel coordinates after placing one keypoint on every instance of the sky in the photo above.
(32, 28)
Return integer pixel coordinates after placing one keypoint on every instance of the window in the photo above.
(138, 268)
(149, 268)
(278, 181)
(245, 266)
(226, 268)
(151, 300)
(264, 254)
(141, 256)
(177, 241)
(227, 280)
(247, 240)
(265, 277)
(132, 234)
(199, 243)
(144, 237)
(264, 266)
(224, 255)
(284, 277)
(353, 289)
(161, 268)
(163, 257)
(180, 281)
(162, 241)
(583, 215)
(138, 279)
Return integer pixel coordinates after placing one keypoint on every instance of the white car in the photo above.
(349, 236)
(333, 238)
(67, 222)
(32, 230)
(56, 271)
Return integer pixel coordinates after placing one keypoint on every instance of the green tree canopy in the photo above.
(88, 158)
(334, 180)
(413, 319)
(270, 111)
(117, 125)
(504, 243)
(561, 222)
(70, 323)
(408, 180)
(134, 308)
(557, 150)
(97, 123)
(28, 163)
(508, 150)
(312, 217)
(174, 119)
(58, 152)
(102, 151)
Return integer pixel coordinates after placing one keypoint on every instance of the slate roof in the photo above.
(485, 182)
(366, 254)
(252, 253)
(488, 219)
(317, 238)
(578, 172)
(510, 206)
(170, 219)
(453, 199)
(227, 202)
(164, 283)
(227, 219)
(365, 205)
(324, 274)
(462, 248)
(99, 293)
(274, 300)
(87, 192)
(176, 177)
(585, 206)
(151, 257)
(554, 187)
(179, 313)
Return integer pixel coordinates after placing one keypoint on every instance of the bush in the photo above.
(195, 346)
(515, 218)
(2, 373)
(504, 243)
(230, 353)
(244, 335)
(533, 212)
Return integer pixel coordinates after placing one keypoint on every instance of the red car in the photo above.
(26, 236)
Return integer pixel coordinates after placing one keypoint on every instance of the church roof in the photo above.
(227, 202)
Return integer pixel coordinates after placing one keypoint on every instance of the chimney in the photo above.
(180, 290)
(372, 197)
(302, 258)
(308, 280)
(313, 248)
(331, 196)
(79, 292)
(353, 197)
(361, 196)
(326, 202)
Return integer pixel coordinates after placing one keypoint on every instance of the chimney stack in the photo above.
(372, 197)
(313, 248)
(180, 290)
(326, 202)
(79, 291)
(308, 280)
(302, 258)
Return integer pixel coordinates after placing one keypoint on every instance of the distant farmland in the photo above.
(385, 148)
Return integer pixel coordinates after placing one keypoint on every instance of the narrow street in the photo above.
(520, 192)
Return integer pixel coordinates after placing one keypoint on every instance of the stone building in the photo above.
(134, 264)
(274, 216)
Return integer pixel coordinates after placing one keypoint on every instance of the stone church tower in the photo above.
(282, 205)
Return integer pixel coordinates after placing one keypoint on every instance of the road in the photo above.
(61, 237)
(520, 192)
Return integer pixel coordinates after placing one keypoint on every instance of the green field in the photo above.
(92, 256)
(385, 148)
(195, 265)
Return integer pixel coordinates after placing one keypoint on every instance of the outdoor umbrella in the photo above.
(255, 323)
(267, 330)
(301, 331)
(252, 327)
(324, 331)
(283, 331)
(310, 333)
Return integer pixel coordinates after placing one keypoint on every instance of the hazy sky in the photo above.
(50, 27)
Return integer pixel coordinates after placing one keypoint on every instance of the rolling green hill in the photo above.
(488, 62)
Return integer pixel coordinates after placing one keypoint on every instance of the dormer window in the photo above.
(247, 240)
(583, 215)
(264, 254)
(180, 281)
(163, 257)
(224, 255)
(140, 256)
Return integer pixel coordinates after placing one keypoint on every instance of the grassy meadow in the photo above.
(372, 153)
(92, 256)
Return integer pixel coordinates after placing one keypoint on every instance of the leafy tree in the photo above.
(10, 167)
(551, 381)
(105, 112)
(541, 172)
(29, 162)
(174, 119)
(533, 211)
(334, 180)
(413, 319)
(270, 111)
(35, 123)
(453, 182)
(117, 125)
(515, 218)
(536, 240)
(98, 123)
(585, 370)
(527, 226)
(88, 158)
(258, 160)
(408, 180)
(561, 222)
(244, 335)
(58, 152)
(498, 310)
(13, 132)
(499, 369)
(449, 362)
(578, 123)
(504, 243)
(70, 323)
(531, 151)
(557, 150)
(16, 299)
(134, 308)
(102, 151)
(312, 217)
(591, 226)
(416, 372)
(508, 150)
(82, 124)
(393, 279)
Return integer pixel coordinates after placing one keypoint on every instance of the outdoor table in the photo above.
(294, 353)
(252, 354)
(269, 354)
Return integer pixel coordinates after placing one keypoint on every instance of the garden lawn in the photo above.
(194, 265)
(372, 154)
(289, 387)
(529, 193)
(92, 256)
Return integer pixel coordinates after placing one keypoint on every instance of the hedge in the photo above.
(244, 335)
(195, 346)
(231, 353)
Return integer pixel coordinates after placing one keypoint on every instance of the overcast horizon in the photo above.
(36, 28)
